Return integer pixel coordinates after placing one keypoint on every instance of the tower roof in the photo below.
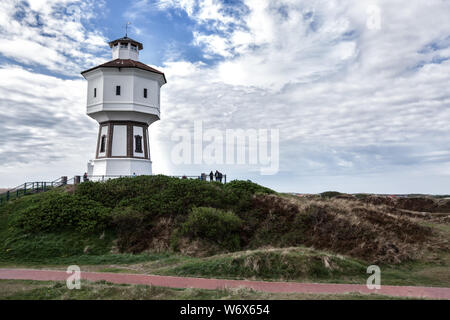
(127, 63)
(126, 40)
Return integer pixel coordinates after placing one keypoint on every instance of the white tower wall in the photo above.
(124, 98)
(107, 105)
(119, 142)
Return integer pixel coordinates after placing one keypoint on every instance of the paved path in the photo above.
(200, 283)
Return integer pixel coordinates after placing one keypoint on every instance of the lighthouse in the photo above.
(123, 96)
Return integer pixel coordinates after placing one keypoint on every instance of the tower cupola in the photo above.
(125, 48)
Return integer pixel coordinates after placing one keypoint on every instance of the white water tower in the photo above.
(124, 98)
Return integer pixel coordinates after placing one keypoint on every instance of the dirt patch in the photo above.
(161, 235)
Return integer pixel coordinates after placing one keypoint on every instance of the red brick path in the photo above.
(275, 287)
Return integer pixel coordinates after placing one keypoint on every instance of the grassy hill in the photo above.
(165, 225)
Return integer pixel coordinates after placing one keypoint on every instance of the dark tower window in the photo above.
(138, 144)
(145, 93)
(117, 90)
(103, 144)
(95, 92)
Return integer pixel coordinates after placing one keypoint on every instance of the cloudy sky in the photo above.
(359, 90)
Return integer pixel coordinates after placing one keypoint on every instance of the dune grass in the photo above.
(43, 290)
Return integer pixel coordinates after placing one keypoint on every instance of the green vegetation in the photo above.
(289, 264)
(330, 194)
(214, 225)
(163, 225)
(59, 211)
(362, 196)
(42, 290)
(129, 215)
(299, 264)
(47, 247)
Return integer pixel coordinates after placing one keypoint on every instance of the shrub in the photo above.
(330, 194)
(61, 211)
(133, 229)
(158, 195)
(241, 188)
(213, 225)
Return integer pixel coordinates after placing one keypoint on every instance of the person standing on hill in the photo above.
(220, 177)
(217, 175)
(211, 176)
(85, 177)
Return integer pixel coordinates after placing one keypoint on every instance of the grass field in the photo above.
(43, 290)
(288, 264)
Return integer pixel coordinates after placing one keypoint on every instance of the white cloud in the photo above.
(348, 99)
(51, 34)
(213, 44)
(43, 125)
(186, 5)
(358, 109)
(45, 132)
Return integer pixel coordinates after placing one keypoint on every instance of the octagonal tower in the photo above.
(124, 98)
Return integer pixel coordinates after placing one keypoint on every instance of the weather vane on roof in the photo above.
(126, 29)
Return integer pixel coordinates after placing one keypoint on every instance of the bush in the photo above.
(241, 188)
(133, 230)
(158, 195)
(213, 225)
(62, 211)
(112, 192)
(330, 194)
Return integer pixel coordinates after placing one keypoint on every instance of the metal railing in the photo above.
(30, 188)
